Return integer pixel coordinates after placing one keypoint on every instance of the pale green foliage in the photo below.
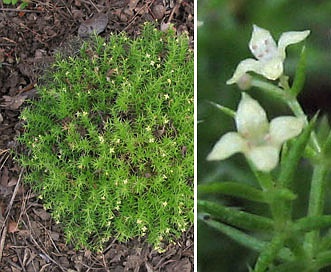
(110, 141)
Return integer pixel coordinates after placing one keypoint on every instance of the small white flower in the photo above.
(269, 55)
(144, 228)
(101, 139)
(200, 23)
(259, 140)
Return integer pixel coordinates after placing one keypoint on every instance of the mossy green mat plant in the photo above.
(109, 142)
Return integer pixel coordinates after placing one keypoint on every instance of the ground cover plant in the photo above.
(110, 139)
(289, 226)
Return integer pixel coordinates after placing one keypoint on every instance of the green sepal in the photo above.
(326, 148)
(310, 153)
(270, 252)
(224, 109)
(300, 74)
(312, 223)
(289, 164)
(235, 217)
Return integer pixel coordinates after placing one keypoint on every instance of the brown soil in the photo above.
(29, 238)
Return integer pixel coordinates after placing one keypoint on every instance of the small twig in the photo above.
(66, 7)
(3, 151)
(3, 238)
(131, 21)
(14, 265)
(89, 267)
(5, 64)
(7, 212)
(94, 6)
(14, 193)
(108, 247)
(27, 88)
(37, 35)
(8, 40)
(20, 259)
(50, 238)
(105, 263)
(104, 251)
(177, 5)
(20, 10)
(41, 249)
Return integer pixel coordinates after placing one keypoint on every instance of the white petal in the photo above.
(229, 144)
(243, 67)
(288, 38)
(251, 119)
(272, 69)
(262, 45)
(284, 128)
(265, 158)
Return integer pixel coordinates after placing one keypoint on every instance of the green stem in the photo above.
(265, 179)
(316, 204)
(298, 112)
(270, 252)
(296, 108)
(269, 88)
(267, 184)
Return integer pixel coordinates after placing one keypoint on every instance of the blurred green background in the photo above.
(222, 44)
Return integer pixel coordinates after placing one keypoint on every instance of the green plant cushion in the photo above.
(109, 142)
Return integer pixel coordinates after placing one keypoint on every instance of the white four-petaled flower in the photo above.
(269, 55)
(259, 140)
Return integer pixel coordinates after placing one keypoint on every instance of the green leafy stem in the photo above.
(286, 244)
